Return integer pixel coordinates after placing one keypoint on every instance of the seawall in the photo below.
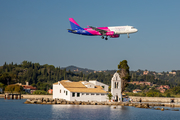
(155, 99)
(135, 98)
(37, 96)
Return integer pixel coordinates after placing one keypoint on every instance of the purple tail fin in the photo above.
(74, 25)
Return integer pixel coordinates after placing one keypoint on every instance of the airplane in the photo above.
(113, 32)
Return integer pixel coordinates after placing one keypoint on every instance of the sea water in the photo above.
(17, 110)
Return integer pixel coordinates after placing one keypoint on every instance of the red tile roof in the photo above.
(29, 87)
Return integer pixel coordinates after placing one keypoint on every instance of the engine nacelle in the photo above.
(114, 36)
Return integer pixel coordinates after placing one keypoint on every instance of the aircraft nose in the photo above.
(136, 30)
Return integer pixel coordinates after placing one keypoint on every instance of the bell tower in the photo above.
(116, 87)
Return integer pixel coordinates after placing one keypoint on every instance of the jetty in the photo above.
(12, 95)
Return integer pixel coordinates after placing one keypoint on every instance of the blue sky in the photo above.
(37, 31)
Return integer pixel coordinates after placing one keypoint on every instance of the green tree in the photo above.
(40, 92)
(124, 73)
(109, 96)
(18, 88)
(168, 95)
(153, 93)
(13, 88)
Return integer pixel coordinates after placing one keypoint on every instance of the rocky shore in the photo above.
(64, 102)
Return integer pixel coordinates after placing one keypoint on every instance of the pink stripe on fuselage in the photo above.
(94, 32)
(73, 21)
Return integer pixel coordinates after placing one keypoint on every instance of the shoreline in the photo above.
(133, 98)
(147, 102)
(148, 105)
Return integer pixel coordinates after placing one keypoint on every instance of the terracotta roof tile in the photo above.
(28, 87)
(73, 84)
(86, 90)
(55, 83)
(79, 87)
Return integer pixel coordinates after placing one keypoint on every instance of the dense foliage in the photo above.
(131, 87)
(154, 93)
(124, 70)
(43, 76)
(13, 88)
(40, 92)
(124, 74)
(109, 96)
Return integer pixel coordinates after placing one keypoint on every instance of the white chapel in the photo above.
(116, 87)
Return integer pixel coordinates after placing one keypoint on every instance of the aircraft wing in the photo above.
(99, 30)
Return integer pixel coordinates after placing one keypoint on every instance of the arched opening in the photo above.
(116, 98)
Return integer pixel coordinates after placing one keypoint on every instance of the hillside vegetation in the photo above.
(43, 76)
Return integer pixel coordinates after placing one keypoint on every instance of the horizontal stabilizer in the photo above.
(71, 30)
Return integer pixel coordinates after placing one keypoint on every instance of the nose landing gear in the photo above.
(128, 35)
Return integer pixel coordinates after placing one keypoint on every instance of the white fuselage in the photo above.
(123, 29)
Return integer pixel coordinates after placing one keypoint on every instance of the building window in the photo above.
(78, 94)
(97, 94)
(92, 93)
(60, 91)
(87, 93)
(66, 92)
(73, 94)
(102, 94)
(103, 87)
(82, 93)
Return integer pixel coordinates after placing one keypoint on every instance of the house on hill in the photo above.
(137, 91)
(80, 91)
(141, 83)
(163, 88)
(50, 91)
(28, 88)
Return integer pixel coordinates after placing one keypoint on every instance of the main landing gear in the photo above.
(105, 38)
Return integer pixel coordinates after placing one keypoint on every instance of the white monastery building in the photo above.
(87, 91)
(80, 91)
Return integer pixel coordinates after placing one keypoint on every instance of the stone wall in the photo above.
(2, 95)
(135, 98)
(154, 99)
(36, 96)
